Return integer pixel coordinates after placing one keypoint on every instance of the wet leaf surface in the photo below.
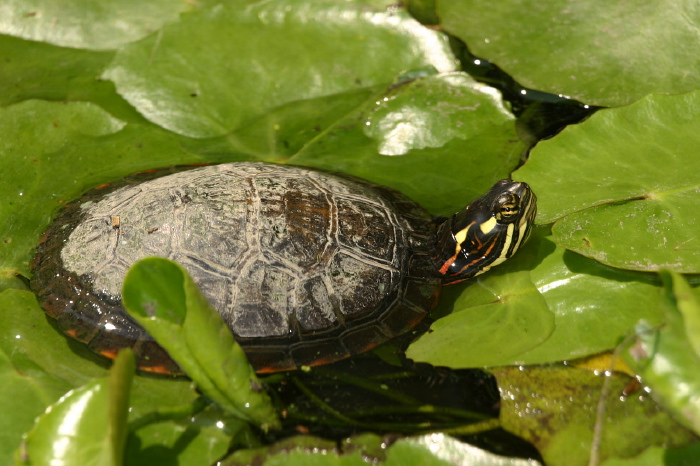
(87, 426)
(631, 203)
(412, 122)
(72, 23)
(163, 299)
(435, 449)
(538, 307)
(602, 54)
(666, 357)
(39, 365)
(559, 410)
(250, 51)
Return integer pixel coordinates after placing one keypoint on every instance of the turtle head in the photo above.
(485, 233)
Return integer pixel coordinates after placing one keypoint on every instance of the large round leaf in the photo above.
(86, 25)
(539, 307)
(624, 186)
(55, 153)
(443, 140)
(206, 74)
(602, 53)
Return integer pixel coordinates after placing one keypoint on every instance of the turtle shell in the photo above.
(305, 267)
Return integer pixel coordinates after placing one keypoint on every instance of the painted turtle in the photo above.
(306, 267)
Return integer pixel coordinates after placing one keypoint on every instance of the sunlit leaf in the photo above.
(665, 356)
(162, 297)
(91, 25)
(215, 68)
(87, 426)
(538, 307)
(607, 54)
(624, 185)
(442, 140)
(429, 450)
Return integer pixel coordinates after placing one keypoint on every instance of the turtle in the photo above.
(305, 266)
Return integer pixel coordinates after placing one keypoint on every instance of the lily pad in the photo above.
(538, 307)
(92, 25)
(199, 439)
(659, 456)
(443, 140)
(604, 54)
(623, 186)
(481, 334)
(216, 68)
(57, 151)
(73, 431)
(87, 426)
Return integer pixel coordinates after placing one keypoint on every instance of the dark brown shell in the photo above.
(305, 267)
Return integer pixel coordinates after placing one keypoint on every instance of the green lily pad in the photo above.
(58, 151)
(34, 70)
(92, 25)
(443, 140)
(623, 186)
(199, 439)
(36, 367)
(594, 306)
(606, 54)
(440, 449)
(538, 307)
(216, 68)
(162, 298)
(516, 307)
(557, 408)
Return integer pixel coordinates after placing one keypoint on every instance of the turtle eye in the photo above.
(508, 211)
(507, 208)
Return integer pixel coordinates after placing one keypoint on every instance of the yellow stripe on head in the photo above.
(488, 225)
(461, 236)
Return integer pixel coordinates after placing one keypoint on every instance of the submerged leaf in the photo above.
(557, 409)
